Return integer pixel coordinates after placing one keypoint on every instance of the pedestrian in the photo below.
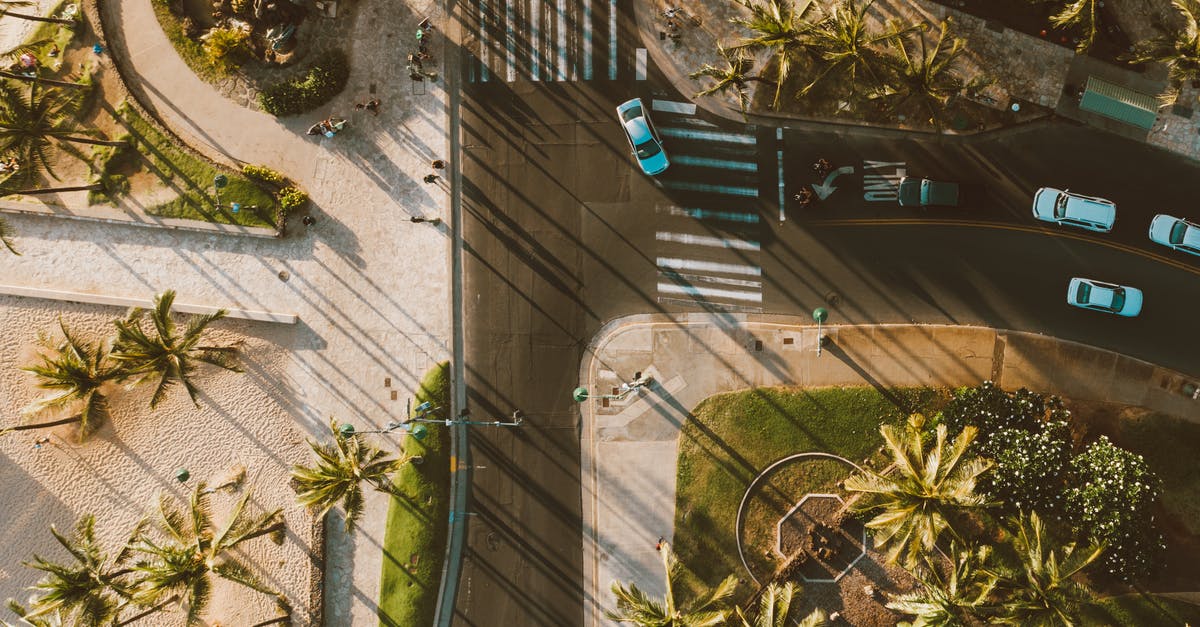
(416, 220)
(359, 106)
(805, 197)
(373, 106)
(659, 545)
(438, 164)
(822, 167)
(309, 220)
(431, 178)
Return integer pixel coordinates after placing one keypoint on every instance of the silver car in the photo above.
(1064, 207)
(1175, 233)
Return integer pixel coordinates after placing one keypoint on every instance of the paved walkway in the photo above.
(629, 484)
(371, 288)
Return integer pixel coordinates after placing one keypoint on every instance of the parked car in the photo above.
(1106, 297)
(1064, 207)
(922, 192)
(1175, 233)
(643, 137)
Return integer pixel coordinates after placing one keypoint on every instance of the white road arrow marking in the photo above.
(825, 189)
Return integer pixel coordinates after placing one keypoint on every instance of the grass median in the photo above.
(415, 541)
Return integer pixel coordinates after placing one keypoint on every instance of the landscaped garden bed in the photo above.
(732, 438)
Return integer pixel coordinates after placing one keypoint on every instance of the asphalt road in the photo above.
(562, 234)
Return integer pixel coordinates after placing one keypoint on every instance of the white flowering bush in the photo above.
(1110, 498)
(991, 409)
(1030, 469)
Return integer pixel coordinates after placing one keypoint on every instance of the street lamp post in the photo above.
(219, 181)
(820, 315)
(413, 427)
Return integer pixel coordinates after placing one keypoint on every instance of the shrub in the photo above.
(319, 85)
(226, 48)
(991, 409)
(290, 199)
(1031, 469)
(263, 173)
(1110, 498)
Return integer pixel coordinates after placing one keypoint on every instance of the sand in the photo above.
(117, 472)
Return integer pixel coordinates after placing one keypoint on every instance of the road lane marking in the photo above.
(560, 40)
(535, 36)
(612, 40)
(709, 305)
(587, 40)
(779, 160)
(704, 278)
(639, 67)
(483, 41)
(709, 214)
(708, 266)
(689, 186)
(704, 292)
(708, 162)
(707, 240)
(687, 108)
(714, 136)
(510, 40)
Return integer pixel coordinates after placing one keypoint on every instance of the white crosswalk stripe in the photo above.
(544, 40)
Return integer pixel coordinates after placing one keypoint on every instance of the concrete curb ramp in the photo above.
(125, 301)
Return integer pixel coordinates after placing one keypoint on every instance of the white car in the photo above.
(1175, 233)
(643, 137)
(1085, 212)
(1106, 297)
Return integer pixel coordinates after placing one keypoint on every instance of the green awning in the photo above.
(1119, 103)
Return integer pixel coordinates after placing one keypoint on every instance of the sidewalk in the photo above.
(628, 486)
(371, 322)
(1028, 70)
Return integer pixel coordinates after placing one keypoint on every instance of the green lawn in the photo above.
(415, 544)
(192, 176)
(734, 436)
(190, 50)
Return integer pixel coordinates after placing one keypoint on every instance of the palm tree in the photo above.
(168, 356)
(78, 375)
(732, 76)
(926, 80)
(6, 235)
(1042, 590)
(633, 606)
(32, 124)
(954, 600)
(774, 606)
(914, 502)
(93, 590)
(849, 47)
(1179, 50)
(778, 28)
(1081, 14)
(7, 6)
(192, 549)
(338, 476)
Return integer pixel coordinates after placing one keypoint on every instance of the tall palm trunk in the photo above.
(52, 190)
(37, 79)
(43, 425)
(37, 18)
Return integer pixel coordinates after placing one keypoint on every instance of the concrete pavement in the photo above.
(630, 446)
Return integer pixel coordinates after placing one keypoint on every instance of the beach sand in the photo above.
(116, 473)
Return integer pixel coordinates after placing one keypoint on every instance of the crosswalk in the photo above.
(543, 40)
(709, 249)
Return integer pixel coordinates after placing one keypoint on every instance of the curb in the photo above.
(172, 224)
(125, 301)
